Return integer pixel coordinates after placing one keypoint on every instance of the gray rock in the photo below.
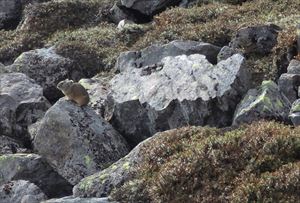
(149, 7)
(294, 67)
(102, 183)
(183, 90)
(76, 142)
(226, 52)
(21, 104)
(98, 89)
(289, 82)
(266, 102)
(47, 68)
(154, 54)
(118, 13)
(11, 11)
(33, 168)
(256, 40)
(21, 191)
(78, 200)
(10, 146)
(295, 113)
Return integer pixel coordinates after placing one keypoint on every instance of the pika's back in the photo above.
(74, 91)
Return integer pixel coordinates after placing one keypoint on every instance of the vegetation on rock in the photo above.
(258, 162)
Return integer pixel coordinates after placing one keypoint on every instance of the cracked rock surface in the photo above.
(75, 141)
(181, 90)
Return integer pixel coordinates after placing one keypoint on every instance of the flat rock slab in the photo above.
(182, 90)
(75, 141)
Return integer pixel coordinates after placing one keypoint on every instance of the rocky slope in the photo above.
(190, 100)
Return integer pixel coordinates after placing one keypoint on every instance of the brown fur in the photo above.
(74, 91)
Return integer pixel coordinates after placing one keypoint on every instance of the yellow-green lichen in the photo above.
(126, 166)
(88, 160)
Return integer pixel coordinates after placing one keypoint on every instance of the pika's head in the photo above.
(65, 85)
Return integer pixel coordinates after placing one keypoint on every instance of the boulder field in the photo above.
(189, 101)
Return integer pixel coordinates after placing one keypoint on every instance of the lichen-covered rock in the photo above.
(176, 166)
(265, 102)
(33, 168)
(79, 200)
(227, 52)
(77, 142)
(21, 191)
(154, 54)
(47, 68)
(256, 40)
(149, 7)
(10, 146)
(98, 88)
(295, 113)
(102, 183)
(289, 82)
(21, 104)
(181, 90)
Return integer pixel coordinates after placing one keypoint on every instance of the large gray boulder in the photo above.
(21, 104)
(289, 82)
(153, 55)
(33, 168)
(256, 40)
(102, 183)
(77, 142)
(147, 7)
(21, 191)
(78, 200)
(265, 102)
(182, 90)
(47, 68)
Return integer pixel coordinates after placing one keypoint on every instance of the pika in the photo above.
(74, 92)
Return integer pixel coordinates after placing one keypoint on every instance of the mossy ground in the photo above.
(78, 28)
(255, 163)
